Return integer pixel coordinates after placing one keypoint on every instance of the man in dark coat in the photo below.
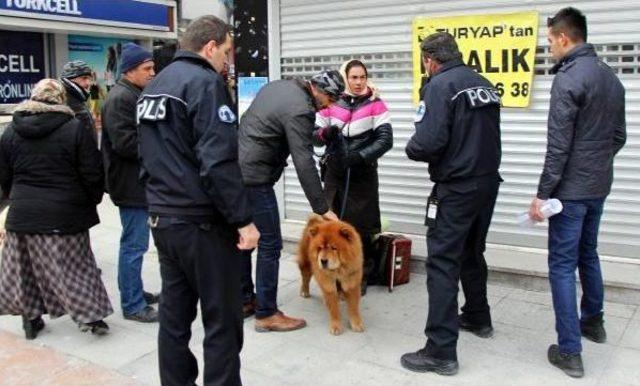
(279, 123)
(76, 78)
(458, 134)
(200, 214)
(122, 165)
(586, 129)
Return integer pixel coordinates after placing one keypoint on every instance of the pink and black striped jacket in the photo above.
(364, 123)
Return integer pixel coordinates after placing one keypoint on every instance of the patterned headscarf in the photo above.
(49, 91)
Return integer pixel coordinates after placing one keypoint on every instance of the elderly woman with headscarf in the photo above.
(357, 132)
(52, 171)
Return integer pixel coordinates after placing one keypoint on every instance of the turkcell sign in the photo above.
(21, 64)
(60, 7)
(118, 13)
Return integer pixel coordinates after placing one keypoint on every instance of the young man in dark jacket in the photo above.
(586, 130)
(199, 208)
(120, 153)
(279, 122)
(76, 78)
(458, 134)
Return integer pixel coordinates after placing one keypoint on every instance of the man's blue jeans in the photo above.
(134, 243)
(267, 219)
(573, 241)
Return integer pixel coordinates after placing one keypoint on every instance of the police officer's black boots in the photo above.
(593, 328)
(476, 329)
(571, 364)
(422, 362)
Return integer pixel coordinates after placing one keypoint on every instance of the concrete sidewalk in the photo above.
(516, 355)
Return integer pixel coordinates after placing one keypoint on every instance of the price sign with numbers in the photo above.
(501, 47)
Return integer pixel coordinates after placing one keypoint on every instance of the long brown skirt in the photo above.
(52, 274)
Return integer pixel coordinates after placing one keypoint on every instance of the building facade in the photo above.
(308, 36)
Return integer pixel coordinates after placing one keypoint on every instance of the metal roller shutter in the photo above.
(315, 36)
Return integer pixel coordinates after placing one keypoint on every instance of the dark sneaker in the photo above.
(593, 328)
(98, 327)
(151, 298)
(571, 364)
(420, 361)
(147, 315)
(32, 327)
(477, 330)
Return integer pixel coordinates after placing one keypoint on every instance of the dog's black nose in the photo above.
(324, 263)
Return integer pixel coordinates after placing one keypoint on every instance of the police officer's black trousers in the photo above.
(456, 246)
(199, 262)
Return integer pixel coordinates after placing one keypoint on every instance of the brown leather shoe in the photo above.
(279, 322)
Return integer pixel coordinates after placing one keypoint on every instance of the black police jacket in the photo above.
(188, 144)
(457, 125)
(587, 128)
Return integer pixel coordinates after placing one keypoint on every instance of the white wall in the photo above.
(192, 9)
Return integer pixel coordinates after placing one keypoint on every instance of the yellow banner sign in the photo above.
(501, 47)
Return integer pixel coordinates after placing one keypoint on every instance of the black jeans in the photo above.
(456, 246)
(199, 261)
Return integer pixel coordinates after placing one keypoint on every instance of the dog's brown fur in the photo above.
(338, 244)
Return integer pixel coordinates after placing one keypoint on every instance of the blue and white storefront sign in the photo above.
(22, 64)
(248, 88)
(140, 14)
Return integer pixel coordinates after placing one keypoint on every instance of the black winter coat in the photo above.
(587, 128)
(365, 129)
(120, 146)
(52, 170)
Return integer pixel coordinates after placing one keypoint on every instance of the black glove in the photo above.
(353, 158)
(330, 133)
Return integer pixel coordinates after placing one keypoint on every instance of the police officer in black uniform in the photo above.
(458, 135)
(198, 207)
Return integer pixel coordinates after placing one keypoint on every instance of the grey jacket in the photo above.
(586, 130)
(279, 122)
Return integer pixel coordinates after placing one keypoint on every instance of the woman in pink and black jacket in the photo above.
(356, 132)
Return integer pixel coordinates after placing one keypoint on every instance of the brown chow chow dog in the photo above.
(331, 251)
